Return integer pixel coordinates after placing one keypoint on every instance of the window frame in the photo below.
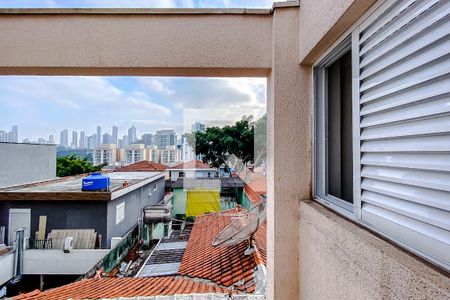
(348, 39)
(328, 56)
(320, 147)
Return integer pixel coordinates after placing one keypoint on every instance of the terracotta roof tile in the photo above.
(224, 265)
(99, 288)
(143, 166)
(255, 185)
(193, 164)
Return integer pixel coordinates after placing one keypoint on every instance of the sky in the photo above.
(41, 106)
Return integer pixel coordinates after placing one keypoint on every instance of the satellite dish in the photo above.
(241, 228)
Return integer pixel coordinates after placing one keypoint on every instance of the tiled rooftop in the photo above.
(255, 185)
(193, 164)
(143, 166)
(222, 265)
(100, 288)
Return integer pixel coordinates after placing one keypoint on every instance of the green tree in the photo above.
(74, 165)
(217, 144)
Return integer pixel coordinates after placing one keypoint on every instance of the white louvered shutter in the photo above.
(404, 114)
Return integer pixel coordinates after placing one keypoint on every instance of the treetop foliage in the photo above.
(74, 165)
(217, 144)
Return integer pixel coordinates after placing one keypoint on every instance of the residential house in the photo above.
(255, 187)
(196, 196)
(113, 288)
(192, 169)
(226, 265)
(200, 268)
(143, 166)
(110, 213)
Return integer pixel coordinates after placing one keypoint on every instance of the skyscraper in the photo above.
(92, 141)
(64, 138)
(74, 144)
(98, 139)
(164, 138)
(15, 134)
(125, 140)
(2, 136)
(51, 139)
(83, 141)
(132, 135)
(147, 139)
(115, 135)
(106, 139)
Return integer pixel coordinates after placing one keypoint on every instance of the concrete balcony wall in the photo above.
(288, 153)
(56, 262)
(7, 267)
(136, 42)
(340, 260)
(322, 22)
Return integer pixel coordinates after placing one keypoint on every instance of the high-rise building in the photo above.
(51, 139)
(164, 138)
(98, 139)
(197, 126)
(132, 137)
(74, 144)
(92, 141)
(147, 139)
(170, 155)
(134, 153)
(115, 135)
(2, 136)
(83, 140)
(15, 134)
(64, 138)
(124, 141)
(106, 139)
(106, 153)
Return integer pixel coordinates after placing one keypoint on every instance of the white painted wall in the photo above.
(6, 267)
(78, 261)
(24, 163)
(203, 173)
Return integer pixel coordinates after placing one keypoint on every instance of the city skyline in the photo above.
(80, 139)
(43, 106)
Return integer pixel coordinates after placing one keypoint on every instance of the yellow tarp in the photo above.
(200, 202)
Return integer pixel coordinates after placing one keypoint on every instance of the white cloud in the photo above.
(159, 85)
(212, 92)
(141, 102)
(72, 92)
(43, 105)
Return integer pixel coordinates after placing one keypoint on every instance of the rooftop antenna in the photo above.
(242, 228)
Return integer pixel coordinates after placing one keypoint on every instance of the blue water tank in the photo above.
(95, 182)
